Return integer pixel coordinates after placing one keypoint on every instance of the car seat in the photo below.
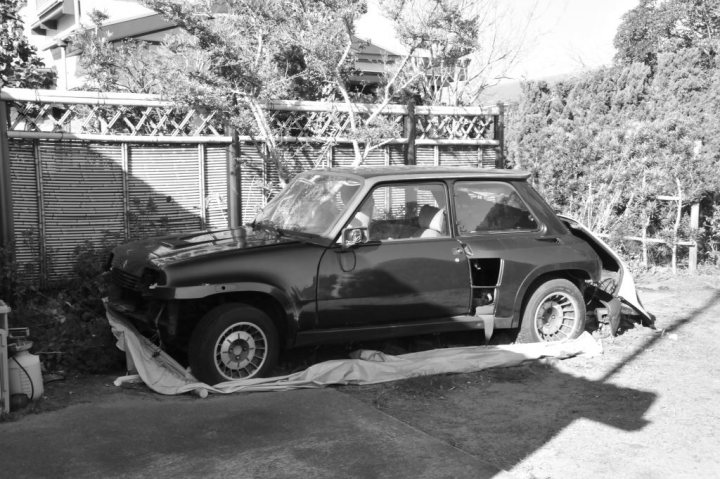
(432, 222)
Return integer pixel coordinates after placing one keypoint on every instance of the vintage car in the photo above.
(353, 254)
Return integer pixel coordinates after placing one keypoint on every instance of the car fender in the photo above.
(533, 276)
(625, 288)
(290, 307)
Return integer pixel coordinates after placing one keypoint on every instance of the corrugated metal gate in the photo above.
(68, 192)
(85, 165)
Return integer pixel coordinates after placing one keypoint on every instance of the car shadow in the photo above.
(502, 416)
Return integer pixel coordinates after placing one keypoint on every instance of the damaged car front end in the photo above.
(615, 294)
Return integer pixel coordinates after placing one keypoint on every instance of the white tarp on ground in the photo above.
(164, 375)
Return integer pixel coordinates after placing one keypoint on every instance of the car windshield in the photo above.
(311, 204)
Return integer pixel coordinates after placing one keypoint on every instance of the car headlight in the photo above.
(152, 277)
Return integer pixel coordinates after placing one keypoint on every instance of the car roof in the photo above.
(430, 172)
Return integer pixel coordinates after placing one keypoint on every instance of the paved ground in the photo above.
(303, 434)
(646, 408)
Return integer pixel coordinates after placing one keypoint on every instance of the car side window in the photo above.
(490, 206)
(405, 210)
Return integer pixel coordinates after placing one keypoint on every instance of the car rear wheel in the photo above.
(554, 312)
(233, 341)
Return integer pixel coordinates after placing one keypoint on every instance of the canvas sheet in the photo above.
(164, 375)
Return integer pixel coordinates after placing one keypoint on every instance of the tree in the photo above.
(230, 56)
(125, 66)
(657, 26)
(605, 146)
(455, 48)
(233, 55)
(19, 63)
(278, 49)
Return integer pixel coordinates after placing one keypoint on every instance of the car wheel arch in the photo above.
(269, 300)
(539, 277)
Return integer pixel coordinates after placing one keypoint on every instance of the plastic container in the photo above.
(24, 373)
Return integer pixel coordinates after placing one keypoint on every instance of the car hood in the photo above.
(160, 252)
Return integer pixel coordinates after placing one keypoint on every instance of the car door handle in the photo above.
(463, 249)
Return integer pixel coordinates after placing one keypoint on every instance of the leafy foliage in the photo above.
(126, 66)
(67, 319)
(454, 48)
(257, 50)
(605, 146)
(144, 220)
(67, 323)
(710, 234)
(661, 26)
(19, 64)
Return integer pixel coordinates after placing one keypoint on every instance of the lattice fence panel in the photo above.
(112, 119)
(459, 127)
(323, 125)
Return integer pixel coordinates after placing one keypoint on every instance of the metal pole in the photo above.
(202, 181)
(6, 210)
(125, 149)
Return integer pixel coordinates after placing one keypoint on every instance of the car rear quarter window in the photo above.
(490, 206)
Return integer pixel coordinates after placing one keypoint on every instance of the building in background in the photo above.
(51, 23)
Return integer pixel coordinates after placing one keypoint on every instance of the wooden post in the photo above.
(678, 217)
(410, 133)
(234, 197)
(43, 260)
(694, 225)
(646, 224)
(6, 210)
(500, 136)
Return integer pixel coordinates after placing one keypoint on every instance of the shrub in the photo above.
(67, 322)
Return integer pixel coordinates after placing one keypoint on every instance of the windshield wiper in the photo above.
(301, 236)
(268, 227)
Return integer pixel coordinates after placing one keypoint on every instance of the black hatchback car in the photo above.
(350, 254)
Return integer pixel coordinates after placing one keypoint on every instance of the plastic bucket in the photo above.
(25, 375)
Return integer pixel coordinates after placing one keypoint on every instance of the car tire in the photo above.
(555, 311)
(233, 341)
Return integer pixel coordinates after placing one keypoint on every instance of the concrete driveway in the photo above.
(294, 434)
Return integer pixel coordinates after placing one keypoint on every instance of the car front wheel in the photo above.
(555, 311)
(233, 341)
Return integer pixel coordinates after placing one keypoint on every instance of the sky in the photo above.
(561, 36)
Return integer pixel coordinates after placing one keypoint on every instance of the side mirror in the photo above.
(354, 236)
